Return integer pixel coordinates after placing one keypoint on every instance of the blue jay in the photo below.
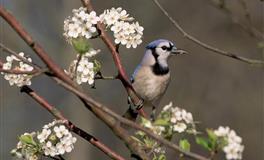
(152, 76)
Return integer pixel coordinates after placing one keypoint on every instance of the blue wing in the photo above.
(132, 79)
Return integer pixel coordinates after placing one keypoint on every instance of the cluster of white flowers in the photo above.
(155, 128)
(14, 63)
(233, 149)
(157, 148)
(125, 33)
(180, 118)
(56, 139)
(81, 24)
(84, 73)
(25, 150)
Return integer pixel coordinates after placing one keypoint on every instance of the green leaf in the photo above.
(212, 138)
(185, 145)
(97, 66)
(81, 45)
(204, 142)
(27, 139)
(162, 157)
(161, 122)
(211, 134)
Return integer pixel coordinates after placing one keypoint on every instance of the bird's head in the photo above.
(159, 51)
(163, 49)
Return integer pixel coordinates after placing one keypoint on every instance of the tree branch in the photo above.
(102, 108)
(58, 72)
(10, 19)
(23, 59)
(34, 72)
(248, 28)
(102, 112)
(205, 45)
(58, 115)
(121, 71)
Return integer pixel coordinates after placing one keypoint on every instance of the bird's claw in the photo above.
(133, 106)
(152, 115)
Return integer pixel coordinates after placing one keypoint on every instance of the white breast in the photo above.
(149, 86)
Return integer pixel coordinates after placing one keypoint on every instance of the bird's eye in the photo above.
(164, 48)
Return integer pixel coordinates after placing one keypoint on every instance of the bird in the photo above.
(151, 77)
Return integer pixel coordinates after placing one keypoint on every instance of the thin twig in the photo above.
(58, 72)
(92, 102)
(205, 45)
(246, 11)
(99, 75)
(23, 59)
(122, 75)
(34, 72)
(98, 109)
(248, 28)
(119, 131)
(11, 20)
(58, 115)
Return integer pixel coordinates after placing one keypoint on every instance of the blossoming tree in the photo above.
(149, 140)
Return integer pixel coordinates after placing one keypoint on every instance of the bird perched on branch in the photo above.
(152, 76)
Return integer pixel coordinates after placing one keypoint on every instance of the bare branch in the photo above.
(102, 112)
(34, 45)
(23, 59)
(58, 72)
(56, 113)
(114, 51)
(127, 122)
(205, 45)
(34, 72)
(99, 75)
(248, 28)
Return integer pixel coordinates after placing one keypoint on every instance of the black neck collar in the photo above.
(157, 68)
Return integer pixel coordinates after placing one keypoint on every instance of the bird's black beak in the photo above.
(176, 51)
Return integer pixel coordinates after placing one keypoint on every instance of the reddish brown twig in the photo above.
(58, 115)
(58, 72)
(102, 108)
(101, 111)
(15, 71)
(205, 45)
(10, 19)
(246, 27)
(121, 71)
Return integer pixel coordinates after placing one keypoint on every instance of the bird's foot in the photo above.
(153, 113)
(133, 106)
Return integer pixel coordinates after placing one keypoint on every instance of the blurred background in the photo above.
(216, 89)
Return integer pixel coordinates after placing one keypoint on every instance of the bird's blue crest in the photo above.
(155, 43)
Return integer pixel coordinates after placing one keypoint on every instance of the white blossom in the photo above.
(25, 149)
(113, 15)
(81, 24)
(84, 73)
(179, 127)
(125, 33)
(59, 141)
(60, 131)
(14, 63)
(180, 119)
(222, 131)
(44, 135)
(167, 107)
(233, 149)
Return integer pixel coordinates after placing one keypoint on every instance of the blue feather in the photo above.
(155, 43)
